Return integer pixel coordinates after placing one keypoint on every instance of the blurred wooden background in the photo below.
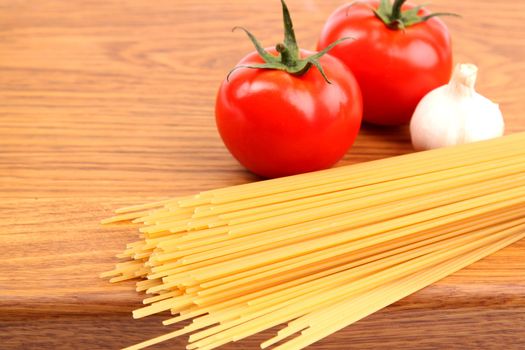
(109, 103)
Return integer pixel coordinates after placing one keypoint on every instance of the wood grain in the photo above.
(109, 103)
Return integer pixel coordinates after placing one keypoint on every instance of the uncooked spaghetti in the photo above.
(320, 251)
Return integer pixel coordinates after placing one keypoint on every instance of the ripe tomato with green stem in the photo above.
(284, 111)
(400, 52)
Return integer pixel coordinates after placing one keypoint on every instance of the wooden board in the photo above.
(109, 103)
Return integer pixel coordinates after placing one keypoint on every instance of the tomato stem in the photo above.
(396, 10)
(289, 56)
(392, 15)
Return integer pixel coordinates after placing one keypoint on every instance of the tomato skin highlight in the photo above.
(395, 68)
(277, 124)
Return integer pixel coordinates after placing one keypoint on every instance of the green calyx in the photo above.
(394, 18)
(289, 58)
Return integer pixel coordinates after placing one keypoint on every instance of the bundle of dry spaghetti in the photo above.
(317, 252)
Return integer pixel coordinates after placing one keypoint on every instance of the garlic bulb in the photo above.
(455, 113)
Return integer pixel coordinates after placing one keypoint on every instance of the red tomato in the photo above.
(395, 67)
(278, 124)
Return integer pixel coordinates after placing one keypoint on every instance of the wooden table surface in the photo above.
(105, 103)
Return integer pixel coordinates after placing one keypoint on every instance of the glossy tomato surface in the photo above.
(395, 68)
(277, 124)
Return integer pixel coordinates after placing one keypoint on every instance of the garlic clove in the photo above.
(485, 122)
(455, 114)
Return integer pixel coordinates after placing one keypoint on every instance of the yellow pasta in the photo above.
(319, 251)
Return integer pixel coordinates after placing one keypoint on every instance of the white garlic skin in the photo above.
(455, 114)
